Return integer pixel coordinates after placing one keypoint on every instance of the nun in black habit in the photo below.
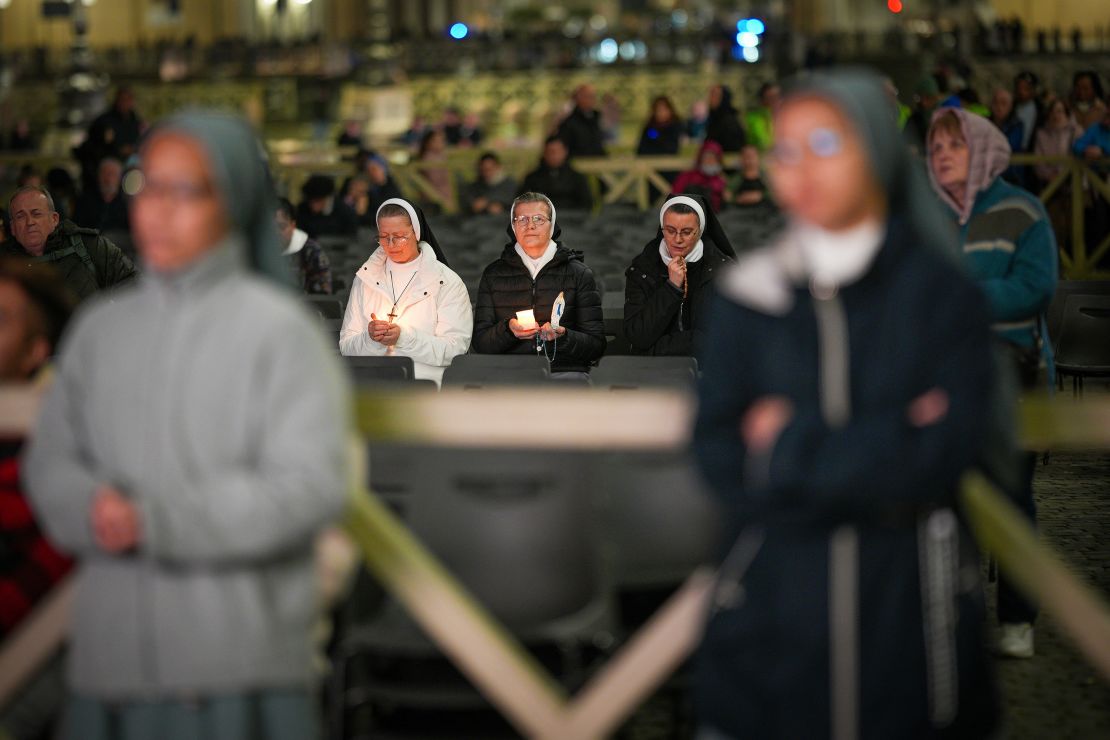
(846, 386)
(667, 285)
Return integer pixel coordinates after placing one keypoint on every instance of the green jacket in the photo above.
(760, 128)
(86, 261)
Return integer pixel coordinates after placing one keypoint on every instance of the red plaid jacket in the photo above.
(29, 564)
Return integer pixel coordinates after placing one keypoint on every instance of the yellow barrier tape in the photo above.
(1037, 572)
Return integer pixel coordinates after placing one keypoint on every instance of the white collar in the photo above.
(695, 254)
(837, 258)
(297, 243)
(534, 265)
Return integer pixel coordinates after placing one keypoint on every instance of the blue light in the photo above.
(742, 25)
(756, 26)
(459, 31)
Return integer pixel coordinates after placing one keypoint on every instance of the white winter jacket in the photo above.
(434, 314)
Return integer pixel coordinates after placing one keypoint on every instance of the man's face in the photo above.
(555, 154)
(586, 97)
(108, 178)
(33, 221)
(488, 170)
(22, 349)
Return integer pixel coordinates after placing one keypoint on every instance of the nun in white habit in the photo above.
(406, 301)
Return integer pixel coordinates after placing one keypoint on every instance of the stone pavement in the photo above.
(1056, 694)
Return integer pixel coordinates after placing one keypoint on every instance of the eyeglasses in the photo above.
(821, 142)
(523, 221)
(388, 241)
(175, 192)
(673, 232)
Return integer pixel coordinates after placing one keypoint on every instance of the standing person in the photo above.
(1055, 139)
(492, 191)
(1010, 251)
(432, 164)
(723, 125)
(1026, 108)
(846, 378)
(706, 177)
(581, 129)
(308, 264)
(191, 447)
(557, 177)
(531, 273)
(406, 301)
(1087, 98)
(662, 134)
(1006, 120)
(667, 286)
(926, 98)
(761, 133)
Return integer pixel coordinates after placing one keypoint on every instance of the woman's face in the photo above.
(1058, 116)
(662, 112)
(949, 159)
(680, 232)
(1084, 89)
(715, 96)
(177, 216)
(397, 237)
(533, 237)
(819, 169)
(1002, 105)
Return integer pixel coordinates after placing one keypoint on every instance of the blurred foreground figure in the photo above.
(847, 370)
(189, 451)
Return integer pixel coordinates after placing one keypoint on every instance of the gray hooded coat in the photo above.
(209, 397)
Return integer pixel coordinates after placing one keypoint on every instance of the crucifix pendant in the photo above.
(392, 315)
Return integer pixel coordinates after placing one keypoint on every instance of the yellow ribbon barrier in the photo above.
(1037, 572)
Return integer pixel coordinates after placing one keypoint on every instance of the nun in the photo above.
(406, 301)
(518, 292)
(190, 449)
(847, 372)
(667, 285)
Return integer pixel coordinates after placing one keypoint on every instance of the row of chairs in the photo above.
(472, 372)
(1079, 326)
(559, 547)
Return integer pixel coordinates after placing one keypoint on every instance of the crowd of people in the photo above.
(848, 373)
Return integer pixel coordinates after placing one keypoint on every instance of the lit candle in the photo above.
(526, 319)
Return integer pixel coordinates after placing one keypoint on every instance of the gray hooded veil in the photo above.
(242, 179)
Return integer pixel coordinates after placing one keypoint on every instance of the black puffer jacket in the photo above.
(508, 287)
(657, 321)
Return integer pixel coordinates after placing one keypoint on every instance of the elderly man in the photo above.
(86, 261)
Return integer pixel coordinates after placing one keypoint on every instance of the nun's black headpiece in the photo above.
(711, 230)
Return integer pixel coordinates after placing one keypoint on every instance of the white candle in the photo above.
(526, 319)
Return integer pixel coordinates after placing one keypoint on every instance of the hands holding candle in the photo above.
(524, 326)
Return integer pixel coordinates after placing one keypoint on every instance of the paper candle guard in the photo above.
(526, 319)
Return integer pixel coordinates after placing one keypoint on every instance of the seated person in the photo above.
(532, 271)
(87, 261)
(492, 191)
(667, 286)
(308, 263)
(748, 188)
(554, 176)
(34, 309)
(406, 300)
(105, 208)
(321, 214)
(706, 178)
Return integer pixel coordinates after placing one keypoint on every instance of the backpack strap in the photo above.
(77, 247)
